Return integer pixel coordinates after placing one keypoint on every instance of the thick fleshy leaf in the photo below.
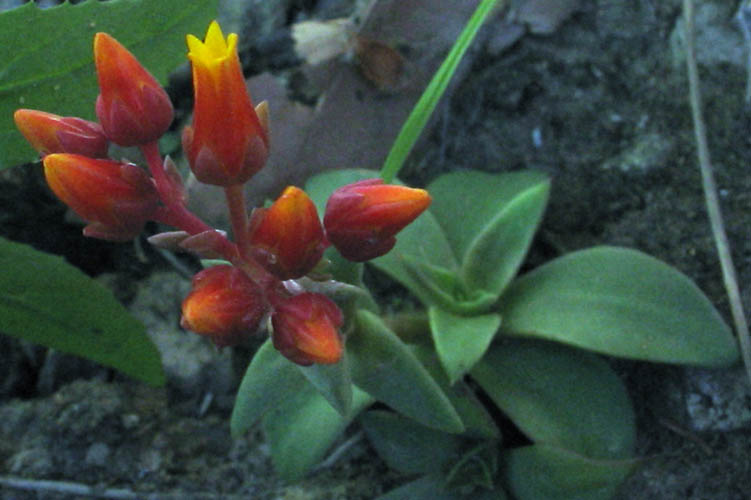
(46, 59)
(269, 380)
(45, 300)
(432, 488)
(422, 242)
(560, 396)
(461, 340)
(489, 220)
(407, 446)
(303, 426)
(478, 423)
(543, 472)
(382, 365)
(333, 383)
(620, 302)
(442, 288)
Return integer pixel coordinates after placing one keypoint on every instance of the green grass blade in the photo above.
(416, 121)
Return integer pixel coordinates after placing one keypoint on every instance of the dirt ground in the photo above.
(600, 104)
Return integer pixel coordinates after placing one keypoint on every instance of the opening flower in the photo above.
(227, 142)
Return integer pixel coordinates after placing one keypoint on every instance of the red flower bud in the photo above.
(132, 107)
(227, 142)
(224, 305)
(306, 329)
(287, 237)
(117, 198)
(363, 218)
(48, 133)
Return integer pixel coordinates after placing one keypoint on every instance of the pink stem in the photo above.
(238, 215)
(174, 212)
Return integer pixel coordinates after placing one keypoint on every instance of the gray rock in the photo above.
(192, 364)
(718, 400)
(98, 454)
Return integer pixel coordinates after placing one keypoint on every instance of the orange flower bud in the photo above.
(224, 305)
(227, 143)
(48, 133)
(132, 107)
(363, 218)
(287, 238)
(117, 198)
(306, 329)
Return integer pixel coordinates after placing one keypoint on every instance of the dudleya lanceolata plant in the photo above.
(485, 343)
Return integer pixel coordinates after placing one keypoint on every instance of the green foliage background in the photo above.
(46, 58)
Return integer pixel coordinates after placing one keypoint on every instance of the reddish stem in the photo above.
(238, 215)
(174, 212)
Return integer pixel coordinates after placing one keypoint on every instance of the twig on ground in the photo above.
(71, 488)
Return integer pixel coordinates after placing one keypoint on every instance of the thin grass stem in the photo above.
(710, 193)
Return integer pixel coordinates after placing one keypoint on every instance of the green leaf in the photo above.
(269, 380)
(432, 488)
(461, 340)
(46, 58)
(420, 114)
(333, 383)
(407, 446)
(560, 396)
(489, 220)
(303, 426)
(47, 301)
(383, 366)
(477, 467)
(214, 262)
(477, 421)
(619, 302)
(424, 488)
(544, 472)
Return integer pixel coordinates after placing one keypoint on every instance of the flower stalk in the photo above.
(271, 252)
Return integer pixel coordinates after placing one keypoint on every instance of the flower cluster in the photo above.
(226, 144)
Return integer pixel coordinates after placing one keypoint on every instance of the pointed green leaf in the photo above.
(303, 426)
(425, 488)
(384, 366)
(269, 379)
(490, 220)
(478, 466)
(432, 487)
(422, 241)
(619, 302)
(45, 300)
(407, 446)
(477, 421)
(560, 396)
(544, 472)
(333, 383)
(461, 340)
(441, 288)
(46, 55)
